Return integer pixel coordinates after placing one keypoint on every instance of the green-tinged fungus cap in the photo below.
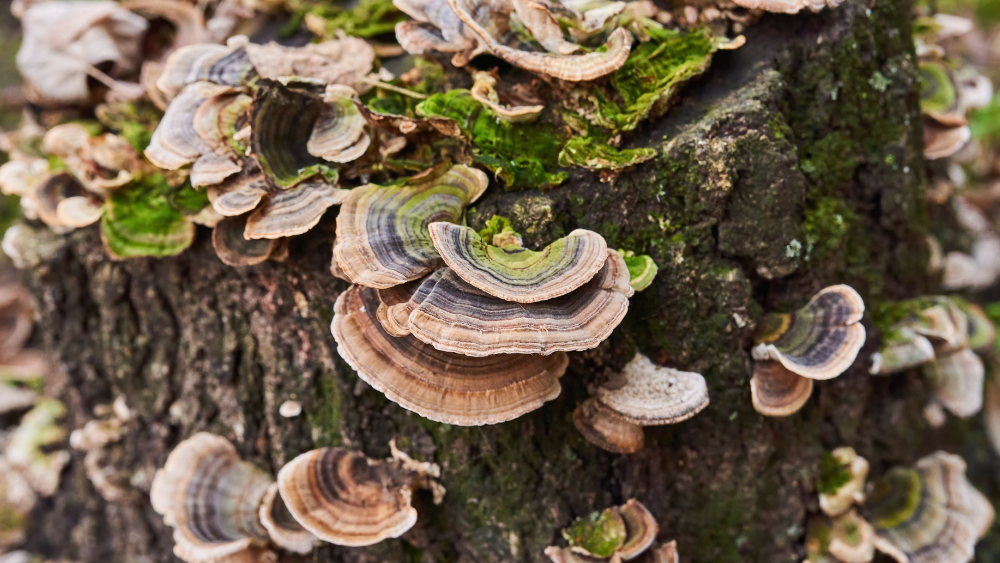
(852, 539)
(982, 333)
(210, 497)
(219, 118)
(820, 340)
(957, 381)
(140, 221)
(344, 498)
(339, 134)
(842, 481)
(777, 391)
(294, 211)
(606, 429)
(930, 513)
(382, 236)
(902, 349)
(441, 386)
(176, 142)
(600, 535)
(650, 395)
(592, 155)
(454, 316)
(281, 526)
(282, 120)
(641, 269)
(29, 448)
(514, 273)
(234, 249)
(938, 95)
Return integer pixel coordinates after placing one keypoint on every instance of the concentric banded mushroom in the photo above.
(382, 237)
(282, 120)
(958, 382)
(930, 513)
(293, 211)
(234, 249)
(643, 394)
(239, 194)
(505, 269)
(641, 269)
(777, 391)
(210, 497)
(441, 386)
(176, 142)
(852, 539)
(621, 533)
(206, 62)
(339, 134)
(572, 68)
(344, 498)
(284, 531)
(820, 340)
(454, 316)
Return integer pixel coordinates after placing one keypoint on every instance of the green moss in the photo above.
(326, 415)
(10, 211)
(585, 152)
(885, 314)
(495, 226)
(523, 155)
(832, 475)
(368, 18)
(134, 121)
(142, 220)
(827, 223)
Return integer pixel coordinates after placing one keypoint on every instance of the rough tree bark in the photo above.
(795, 163)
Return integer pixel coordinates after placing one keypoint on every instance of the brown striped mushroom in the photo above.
(284, 530)
(211, 498)
(382, 238)
(234, 249)
(452, 315)
(344, 498)
(776, 391)
(441, 386)
(293, 211)
(643, 394)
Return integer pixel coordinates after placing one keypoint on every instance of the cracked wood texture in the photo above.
(795, 163)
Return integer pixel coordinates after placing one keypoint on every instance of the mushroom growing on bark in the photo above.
(619, 533)
(643, 394)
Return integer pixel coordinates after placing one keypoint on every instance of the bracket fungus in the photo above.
(382, 235)
(281, 526)
(625, 532)
(211, 499)
(777, 391)
(227, 65)
(847, 538)
(441, 386)
(344, 498)
(293, 211)
(842, 481)
(930, 513)
(339, 133)
(641, 269)
(236, 250)
(819, 341)
(642, 394)
(453, 316)
(503, 268)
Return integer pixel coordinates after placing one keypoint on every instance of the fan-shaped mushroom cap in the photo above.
(339, 61)
(606, 429)
(542, 24)
(958, 382)
(641, 529)
(601, 534)
(78, 211)
(344, 498)
(777, 391)
(939, 98)
(928, 514)
(284, 531)
(64, 40)
(282, 119)
(441, 386)
(212, 168)
(382, 237)
(572, 68)
(982, 333)
(902, 349)
(820, 340)
(851, 492)
(641, 269)
(294, 211)
(787, 6)
(650, 395)
(942, 142)
(234, 249)
(238, 195)
(339, 134)
(943, 323)
(227, 65)
(852, 539)
(514, 273)
(176, 142)
(210, 497)
(416, 38)
(453, 316)
(51, 192)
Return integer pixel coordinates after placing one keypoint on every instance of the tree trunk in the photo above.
(794, 164)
